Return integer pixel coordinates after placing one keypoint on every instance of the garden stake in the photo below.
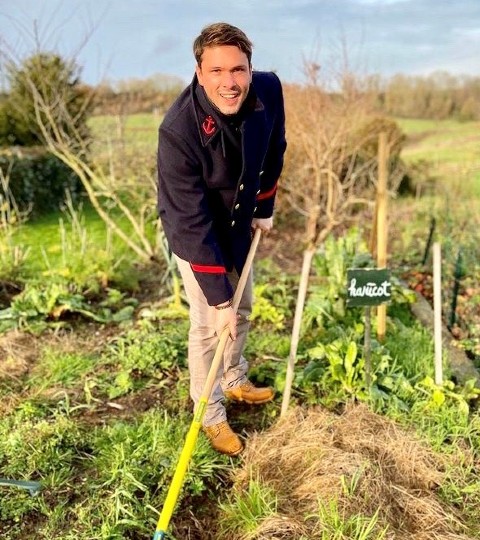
(458, 275)
(192, 435)
(429, 241)
(437, 311)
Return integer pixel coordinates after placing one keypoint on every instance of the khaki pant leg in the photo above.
(203, 340)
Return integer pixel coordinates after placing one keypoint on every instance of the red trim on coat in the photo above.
(268, 194)
(208, 269)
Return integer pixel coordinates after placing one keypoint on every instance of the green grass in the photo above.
(334, 525)
(44, 239)
(135, 129)
(245, 510)
(60, 368)
(75, 246)
(452, 149)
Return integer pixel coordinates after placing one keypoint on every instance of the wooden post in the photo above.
(437, 311)
(381, 221)
(367, 348)
(372, 244)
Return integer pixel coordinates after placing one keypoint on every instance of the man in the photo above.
(220, 154)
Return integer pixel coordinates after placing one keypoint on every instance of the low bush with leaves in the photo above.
(40, 306)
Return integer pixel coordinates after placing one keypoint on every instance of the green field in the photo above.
(452, 148)
(136, 129)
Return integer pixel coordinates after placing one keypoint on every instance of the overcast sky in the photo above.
(139, 38)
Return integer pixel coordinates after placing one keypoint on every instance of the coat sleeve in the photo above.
(186, 218)
(273, 162)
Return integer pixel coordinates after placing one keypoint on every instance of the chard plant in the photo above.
(40, 306)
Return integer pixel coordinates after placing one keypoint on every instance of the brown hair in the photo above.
(217, 34)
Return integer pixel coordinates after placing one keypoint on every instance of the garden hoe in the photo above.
(192, 435)
(33, 487)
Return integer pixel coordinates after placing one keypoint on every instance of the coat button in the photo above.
(233, 223)
(240, 187)
(255, 209)
(237, 206)
(261, 172)
(258, 192)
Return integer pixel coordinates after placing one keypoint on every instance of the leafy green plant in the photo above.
(37, 307)
(264, 310)
(343, 365)
(272, 305)
(326, 302)
(146, 353)
(439, 394)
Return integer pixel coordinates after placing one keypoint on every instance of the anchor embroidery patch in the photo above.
(209, 126)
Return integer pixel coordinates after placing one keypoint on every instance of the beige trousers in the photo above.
(203, 339)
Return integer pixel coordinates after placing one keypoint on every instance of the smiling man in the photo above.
(220, 154)
(225, 74)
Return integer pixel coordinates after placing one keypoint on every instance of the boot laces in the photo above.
(223, 426)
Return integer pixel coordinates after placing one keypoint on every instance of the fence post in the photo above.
(382, 232)
(429, 240)
(458, 275)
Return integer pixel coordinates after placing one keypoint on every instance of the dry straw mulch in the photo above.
(363, 461)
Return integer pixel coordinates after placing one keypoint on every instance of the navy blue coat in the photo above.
(205, 212)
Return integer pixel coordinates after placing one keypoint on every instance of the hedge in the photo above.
(38, 179)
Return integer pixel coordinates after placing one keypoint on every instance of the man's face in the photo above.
(225, 75)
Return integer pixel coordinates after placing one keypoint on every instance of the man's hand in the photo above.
(226, 316)
(265, 224)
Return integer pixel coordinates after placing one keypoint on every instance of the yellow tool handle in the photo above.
(192, 435)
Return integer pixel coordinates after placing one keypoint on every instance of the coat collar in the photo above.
(210, 120)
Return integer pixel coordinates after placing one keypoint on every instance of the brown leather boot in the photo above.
(250, 394)
(223, 439)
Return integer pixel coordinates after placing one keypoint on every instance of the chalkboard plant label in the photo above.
(368, 286)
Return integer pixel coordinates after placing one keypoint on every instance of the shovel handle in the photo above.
(212, 373)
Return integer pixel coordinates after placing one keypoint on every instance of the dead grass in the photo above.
(17, 351)
(362, 461)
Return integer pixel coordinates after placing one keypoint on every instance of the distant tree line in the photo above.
(130, 96)
(437, 96)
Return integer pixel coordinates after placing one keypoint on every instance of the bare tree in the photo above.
(116, 195)
(327, 171)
